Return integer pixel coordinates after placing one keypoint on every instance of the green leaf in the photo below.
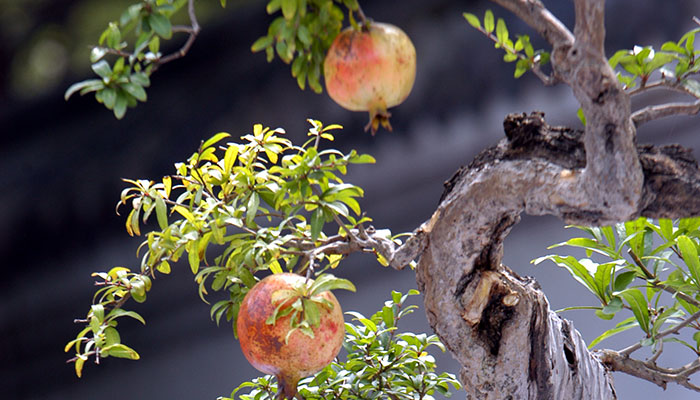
(289, 8)
(521, 67)
(185, 213)
(689, 225)
(163, 267)
(621, 327)
(214, 139)
(690, 257)
(140, 78)
(109, 97)
(317, 221)
(97, 53)
(672, 46)
(119, 312)
(120, 105)
(488, 21)
(102, 69)
(111, 336)
(613, 307)
(501, 31)
(275, 267)
(121, 351)
(304, 35)
(252, 208)
(273, 6)
(575, 268)
(328, 282)
(79, 362)
(135, 90)
(161, 213)
(86, 86)
(472, 19)
(636, 300)
(623, 280)
(138, 290)
(510, 57)
(311, 313)
(193, 258)
(641, 240)
(364, 321)
(161, 25)
(262, 43)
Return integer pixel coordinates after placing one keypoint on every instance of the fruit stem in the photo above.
(287, 388)
(363, 18)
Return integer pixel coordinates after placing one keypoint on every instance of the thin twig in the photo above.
(193, 31)
(363, 17)
(547, 80)
(676, 293)
(652, 360)
(629, 350)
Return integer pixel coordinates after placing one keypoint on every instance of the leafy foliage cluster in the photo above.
(121, 82)
(525, 56)
(677, 63)
(302, 35)
(381, 363)
(651, 270)
(263, 203)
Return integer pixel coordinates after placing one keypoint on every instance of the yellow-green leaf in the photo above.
(163, 267)
(79, 366)
(185, 213)
(488, 21)
(230, 157)
(121, 351)
(472, 19)
(215, 139)
(275, 267)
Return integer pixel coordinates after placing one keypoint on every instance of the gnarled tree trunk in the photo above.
(497, 324)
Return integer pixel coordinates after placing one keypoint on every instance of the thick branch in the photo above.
(590, 23)
(619, 362)
(612, 178)
(535, 14)
(665, 110)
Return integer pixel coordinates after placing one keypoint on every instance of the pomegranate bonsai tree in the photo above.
(264, 205)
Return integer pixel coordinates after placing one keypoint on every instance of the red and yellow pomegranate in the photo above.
(268, 347)
(370, 69)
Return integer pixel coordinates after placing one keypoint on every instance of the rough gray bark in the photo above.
(499, 325)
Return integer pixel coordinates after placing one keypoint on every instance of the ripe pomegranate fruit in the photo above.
(370, 70)
(264, 327)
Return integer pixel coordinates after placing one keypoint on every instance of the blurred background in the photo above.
(61, 164)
